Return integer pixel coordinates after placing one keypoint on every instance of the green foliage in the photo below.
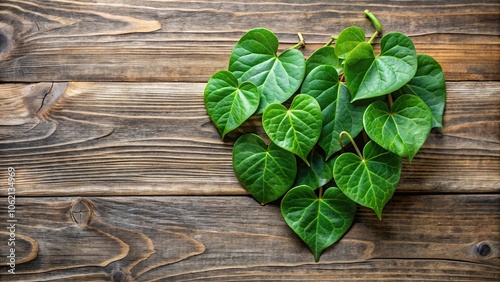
(267, 172)
(311, 112)
(319, 221)
(370, 179)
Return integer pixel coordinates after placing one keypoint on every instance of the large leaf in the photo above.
(254, 59)
(402, 129)
(347, 40)
(297, 129)
(369, 181)
(266, 172)
(319, 222)
(339, 114)
(429, 84)
(368, 76)
(324, 56)
(317, 174)
(228, 103)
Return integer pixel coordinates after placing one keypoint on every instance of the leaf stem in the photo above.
(352, 142)
(302, 42)
(320, 195)
(389, 98)
(333, 38)
(376, 24)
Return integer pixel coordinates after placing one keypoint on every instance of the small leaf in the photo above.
(429, 84)
(296, 130)
(369, 181)
(319, 222)
(317, 174)
(368, 76)
(229, 104)
(254, 59)
(338, 113)
(402, 129)
(324, 56)
(347, 40)
(267, 173)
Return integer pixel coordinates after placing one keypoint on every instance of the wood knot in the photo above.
(82, 212)
(120, 276)
(4, 43)
(483, 249)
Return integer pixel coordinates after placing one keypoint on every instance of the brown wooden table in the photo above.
(119, 174)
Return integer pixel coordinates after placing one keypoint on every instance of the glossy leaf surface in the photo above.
(319, 222)
(429, 84)
(296, 129)
(369, 76)
(324, 56)
(229, 103)
(254, 59)
(338, 113)
(317, 174)
(369, 181)
(266, 172)
(402, 129)
(347, 40)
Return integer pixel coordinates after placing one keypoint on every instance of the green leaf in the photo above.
(254, 59)
(229, 104)
(317, 174)
(324, 56)
(369, 181)
(429, 84)
(402, 129)
(347, 40)
(319, 222)
(368, 76)
(267, 173)
(297, 129)
(339, 114)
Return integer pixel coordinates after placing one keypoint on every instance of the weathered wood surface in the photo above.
(111, 138)
(121, 176)
(431, 237)
(189, 40)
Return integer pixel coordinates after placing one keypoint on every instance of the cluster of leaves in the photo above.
(311, 109)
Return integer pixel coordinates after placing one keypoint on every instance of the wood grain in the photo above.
(111, 138)
(187, 41)
(429, 237)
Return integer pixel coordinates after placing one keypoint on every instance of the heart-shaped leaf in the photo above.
(319, 222)
(254, 59)
(429, 84)
(368, 76)
(229, 104)
(317, 174)
(324, 56)
(402, 129)
(296, 130)
(266, 172)
(339, 114)
(369, 181)
(347, 40)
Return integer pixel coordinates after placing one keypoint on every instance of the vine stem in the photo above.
(376, 24)
(352, 142)
(302, 42)
(333, 38)
(389, 98)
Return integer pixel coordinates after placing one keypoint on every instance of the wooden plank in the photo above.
(422, 237)
(42, 40)
(111, 138)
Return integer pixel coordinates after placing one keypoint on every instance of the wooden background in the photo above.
(120, 176)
